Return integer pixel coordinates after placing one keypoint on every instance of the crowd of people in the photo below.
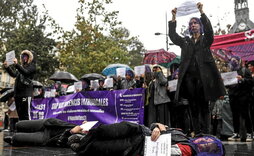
(196, 106)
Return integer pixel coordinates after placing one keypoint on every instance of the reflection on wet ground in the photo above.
(232, 149)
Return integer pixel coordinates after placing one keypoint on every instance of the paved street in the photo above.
(232, 149)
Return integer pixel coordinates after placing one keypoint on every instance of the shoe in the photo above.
(249, 137)
(8, 139)
(235, 137)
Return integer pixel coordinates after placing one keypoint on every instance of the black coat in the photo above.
(25, 71)
(244, 87)
(209, 74)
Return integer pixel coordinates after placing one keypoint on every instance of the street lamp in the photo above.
(158, 33)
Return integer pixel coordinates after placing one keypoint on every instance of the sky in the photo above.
(143, 18)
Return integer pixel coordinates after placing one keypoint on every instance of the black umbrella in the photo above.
(37, 84)
(63, 76)
(93, 76)
(6, 95)
(4, 90)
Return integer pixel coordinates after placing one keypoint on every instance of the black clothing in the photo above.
(27, 71)
(199, 79)
(121, 139)
(240, 101)
(23, 87)
(44, 132)
(198, 55)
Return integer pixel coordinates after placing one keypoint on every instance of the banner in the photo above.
(238, 44)
(107, 107)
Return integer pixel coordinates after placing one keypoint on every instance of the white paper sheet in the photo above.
(172, 85)
(229, 78)
(139, 70)
(88, 125)
(94, 84)
(108, 83)
(187, 8)
(161, 147)
(78, 85)
(12, 107)
(10, 56)
(120, 72)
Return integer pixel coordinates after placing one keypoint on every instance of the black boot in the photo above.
(8, 139)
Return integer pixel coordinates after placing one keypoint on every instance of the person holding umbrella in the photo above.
(23, 88)
(199, 79)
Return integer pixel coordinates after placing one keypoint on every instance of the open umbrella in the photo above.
(111, 69)
(6, 95)
(4, 90)
(93, 76)
(63, 76)
(175, 60)
(37, 84)
(158, 56)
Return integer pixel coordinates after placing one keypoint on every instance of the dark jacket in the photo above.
(209, 74)
(121, 139)
(244, 87)
(25, 71)
(160, 89)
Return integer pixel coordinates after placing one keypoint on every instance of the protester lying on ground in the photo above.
(43, 132)
(125, 138)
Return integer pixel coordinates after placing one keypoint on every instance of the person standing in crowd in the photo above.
(199, 79)
(128, 82)
(239, 96)
(251, 68)
(158, 98)
(23, 88)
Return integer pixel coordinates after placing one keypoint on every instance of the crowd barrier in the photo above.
(107, 107)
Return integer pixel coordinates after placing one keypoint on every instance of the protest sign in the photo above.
(10, 56)
(229, 78)
(172, 85)
(121, 72)
(161, 147)
(187, 8)
(139, 70)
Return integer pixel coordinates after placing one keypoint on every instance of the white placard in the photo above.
(47, 94)
(94, 84)
(12, 107)
(139, 70)
(172, 85)
(52, 92)
(229, 78)
(120, 72)
(88, 125)
(161, 147)
(108, 83)
(187, 8)
(78, 85)
(10, 56)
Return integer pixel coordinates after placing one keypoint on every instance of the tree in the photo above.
(97, 40)
(25, 29)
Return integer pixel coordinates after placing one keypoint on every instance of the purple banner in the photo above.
(107, 107)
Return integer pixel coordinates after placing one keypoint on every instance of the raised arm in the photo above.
(174, 37)
(208, 29)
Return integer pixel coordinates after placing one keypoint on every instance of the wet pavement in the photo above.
(232, 149)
